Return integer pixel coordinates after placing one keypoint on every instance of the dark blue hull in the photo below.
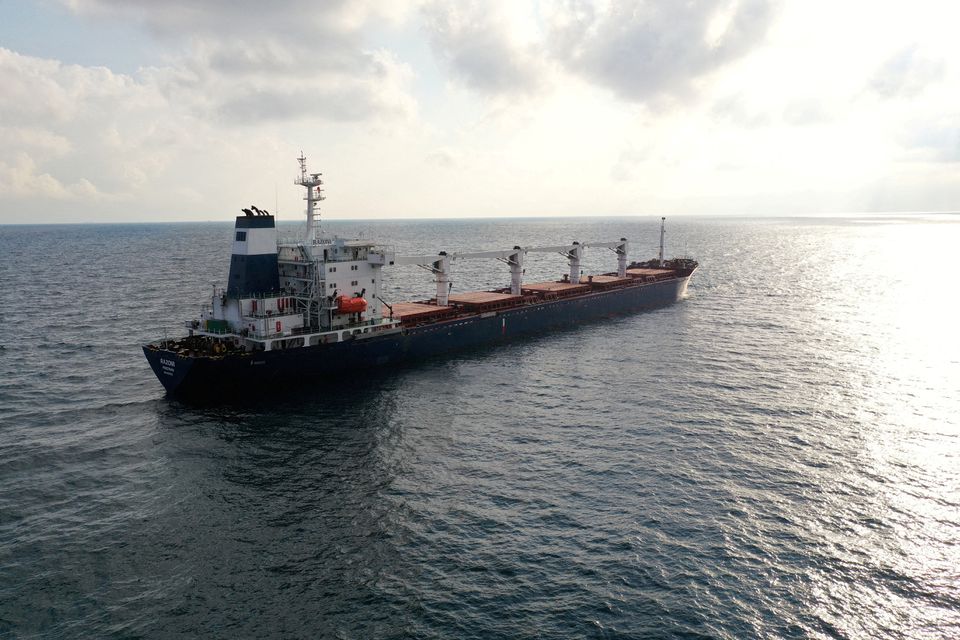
(206, 376)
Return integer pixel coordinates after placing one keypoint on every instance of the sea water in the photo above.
(777, 455)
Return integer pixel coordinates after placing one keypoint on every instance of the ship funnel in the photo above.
(253, 265)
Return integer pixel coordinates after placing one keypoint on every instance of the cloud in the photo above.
(804, 112)
(443, 158)
(38, 92)
(627, 165)
(252, 62)
(39, 142)
(907, 73)
(64, 129)
(641, 51)
(21, 178)
(218, 81)
(733, 109)
(651, 50)
(555, 111)
(320, 20)
(230, 75)
(475, 39)
(934, 142)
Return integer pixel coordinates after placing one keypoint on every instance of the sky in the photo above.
(137, 110)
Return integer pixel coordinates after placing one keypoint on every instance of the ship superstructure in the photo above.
(305, 290)
(313, 304)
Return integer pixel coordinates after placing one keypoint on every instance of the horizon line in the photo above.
(847, 214)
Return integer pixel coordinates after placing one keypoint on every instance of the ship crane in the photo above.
(572, 252)
(620, 248)
(663, 232)
(439, 265)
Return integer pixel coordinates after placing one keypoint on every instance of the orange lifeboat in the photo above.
(351, 305)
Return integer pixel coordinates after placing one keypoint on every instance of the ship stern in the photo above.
(170, 368)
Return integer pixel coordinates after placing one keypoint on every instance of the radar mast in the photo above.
(312, 182)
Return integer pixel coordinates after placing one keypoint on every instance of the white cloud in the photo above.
(20, 178)
(57, 124)
(645, 51)
(250, 62)
(331, 23)
(640, 51)
(536, 107)
(482, 44)
(37, 141)
(231, 81)
(907, 73)
(445, 158)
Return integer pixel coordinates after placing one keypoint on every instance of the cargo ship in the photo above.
(312, 305)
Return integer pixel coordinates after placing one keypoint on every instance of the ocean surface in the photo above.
(775, 456)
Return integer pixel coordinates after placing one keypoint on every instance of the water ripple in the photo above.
(774, 456)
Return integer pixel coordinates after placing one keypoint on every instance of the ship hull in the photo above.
(203, 376)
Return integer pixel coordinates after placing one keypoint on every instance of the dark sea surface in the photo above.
(777, 455)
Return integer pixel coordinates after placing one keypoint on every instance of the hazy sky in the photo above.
(190, 109)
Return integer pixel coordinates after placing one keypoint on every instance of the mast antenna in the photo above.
(312, 183)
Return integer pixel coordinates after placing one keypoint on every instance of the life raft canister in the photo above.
(351, 305)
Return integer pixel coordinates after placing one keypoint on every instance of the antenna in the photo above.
(312, 183)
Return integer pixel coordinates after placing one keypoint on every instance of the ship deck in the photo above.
(419, 311)
(472, 303)
(483, 299)
(558, 288)
(651, 273)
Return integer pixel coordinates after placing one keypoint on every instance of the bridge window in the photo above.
(241, 236)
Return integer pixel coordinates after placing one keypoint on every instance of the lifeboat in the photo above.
(351, 305)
